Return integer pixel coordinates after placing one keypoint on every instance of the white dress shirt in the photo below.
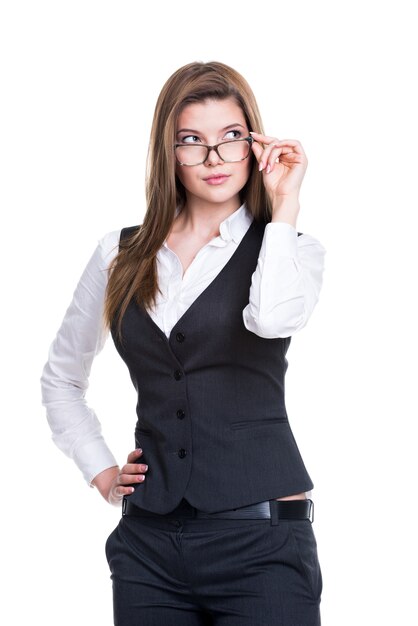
(284, 290)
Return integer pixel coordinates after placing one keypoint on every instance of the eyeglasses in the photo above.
(228, 151)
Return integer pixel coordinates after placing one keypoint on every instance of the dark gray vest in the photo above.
(212, 420)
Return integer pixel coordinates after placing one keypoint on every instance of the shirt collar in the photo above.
(236, 225)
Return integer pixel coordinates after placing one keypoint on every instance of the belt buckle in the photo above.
(311, 511)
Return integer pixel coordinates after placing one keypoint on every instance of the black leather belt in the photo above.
(269, 509)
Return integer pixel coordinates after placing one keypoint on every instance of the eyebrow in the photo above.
(192, 130)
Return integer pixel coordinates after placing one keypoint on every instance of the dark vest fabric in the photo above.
(211, 412)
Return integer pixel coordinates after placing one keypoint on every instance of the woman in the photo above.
(201, 301)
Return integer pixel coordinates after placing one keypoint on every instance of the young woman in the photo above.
(201, 301)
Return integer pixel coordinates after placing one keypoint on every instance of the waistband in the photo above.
(274, 510)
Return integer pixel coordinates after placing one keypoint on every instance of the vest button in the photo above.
(180, 337)
(182, 453)
(181, 414)
(178, 375)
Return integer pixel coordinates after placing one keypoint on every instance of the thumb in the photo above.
(257, 150)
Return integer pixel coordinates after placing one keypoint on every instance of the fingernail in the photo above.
(260, 167)
(139, 450)
(145, 467)
(268, 169)
(141, 477)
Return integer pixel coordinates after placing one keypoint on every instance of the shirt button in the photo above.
(178, 375)
(181, 414)
(180, 337)
(182, 453)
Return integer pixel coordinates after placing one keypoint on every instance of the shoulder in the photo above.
(113, 237)
(128, 231)
(108, 244)
(107, 247)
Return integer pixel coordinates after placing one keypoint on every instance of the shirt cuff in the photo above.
(92, 458)
(280, 239)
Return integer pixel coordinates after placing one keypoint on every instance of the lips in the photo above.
(216, 179)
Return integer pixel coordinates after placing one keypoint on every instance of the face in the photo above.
(214, 182)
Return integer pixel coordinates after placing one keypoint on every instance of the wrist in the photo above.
(103, 481)
(285, 209)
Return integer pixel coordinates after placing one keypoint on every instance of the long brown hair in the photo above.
(133, 272)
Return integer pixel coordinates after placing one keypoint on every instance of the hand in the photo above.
(114, 483)
(283, 162)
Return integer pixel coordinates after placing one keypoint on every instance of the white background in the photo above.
(79, 82)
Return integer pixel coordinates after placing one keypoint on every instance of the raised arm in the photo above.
(286, 283)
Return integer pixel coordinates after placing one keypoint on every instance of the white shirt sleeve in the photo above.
(75, 427)
(286, 283)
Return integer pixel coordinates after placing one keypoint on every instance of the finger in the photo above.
(268, 139)
(119, 492)
(271, 152)
(128, 479)
(134, 468)
(262, 154)
(293, 144)
(285, 156)
(271, 155)
(262, 138)
(257, 150)
(132, 456)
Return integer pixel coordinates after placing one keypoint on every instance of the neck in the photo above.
(203, 218)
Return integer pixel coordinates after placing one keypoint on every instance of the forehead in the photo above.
(210, 115)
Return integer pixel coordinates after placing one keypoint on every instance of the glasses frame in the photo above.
(249, 140)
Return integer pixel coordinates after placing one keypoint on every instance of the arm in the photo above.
(286, 284)
(75, 427)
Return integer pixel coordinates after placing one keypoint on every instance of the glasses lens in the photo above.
(191, 155)
(231, 151)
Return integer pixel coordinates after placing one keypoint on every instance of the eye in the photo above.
(233, 134)
(189, 139)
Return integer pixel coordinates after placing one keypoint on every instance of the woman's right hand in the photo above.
(114, 483)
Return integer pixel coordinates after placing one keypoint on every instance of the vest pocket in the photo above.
(256, 423)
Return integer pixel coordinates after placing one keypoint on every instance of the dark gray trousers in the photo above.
(171, 570)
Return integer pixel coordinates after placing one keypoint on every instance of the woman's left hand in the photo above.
(283, 163)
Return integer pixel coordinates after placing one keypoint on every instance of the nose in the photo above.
(213, 158)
